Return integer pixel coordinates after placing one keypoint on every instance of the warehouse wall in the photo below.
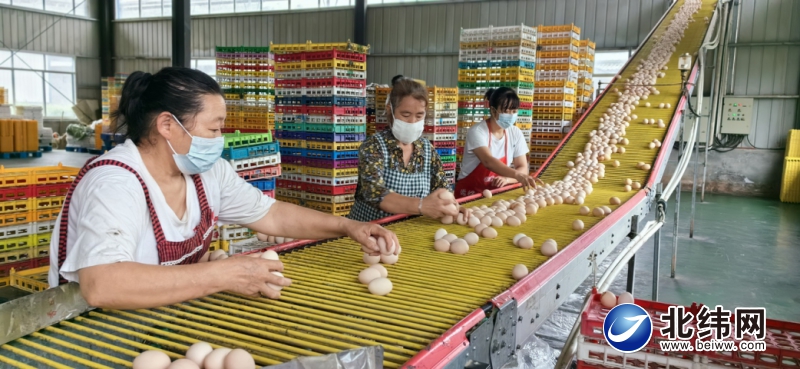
(147, 45)
(69, 35)
(766, 68)
(422, 40)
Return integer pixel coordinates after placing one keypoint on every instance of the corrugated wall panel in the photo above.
(764, 69)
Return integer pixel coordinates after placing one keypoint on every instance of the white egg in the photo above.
(198, 352)
(381, 269)
(185, 364)
(625, 298)
(441, 245)
(450, 237)
(598, 212)
(275, 286)
(489, 233)
(519, 271)
(487, 194)
(525, 242)
(459, 247)
(447, 219)
(441, 232)
(389, 259)
(370, 259)
(270, 255)
(577, 224)
(151, 359)
(517, 237)
(216, 358)
(471, 238)
(549, 247)
(368, 274)
(380, 286)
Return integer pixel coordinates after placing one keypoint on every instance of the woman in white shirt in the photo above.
(495, 151)
(137, 222)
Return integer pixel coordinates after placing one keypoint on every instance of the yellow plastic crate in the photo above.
(5, 281)
(793, 143)
(288, 200)
(14, 206)
(292, 143)
(790, 185)
(33, 280)
(334, 64)
(335, 209)
(15, 255)
(41, 203)
(15, 243)
(40, 239)
(291, 168)
(9, 219)
(329, 172)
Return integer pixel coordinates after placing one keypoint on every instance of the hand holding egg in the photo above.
(251, 276)
(440, 204)
(367, 235)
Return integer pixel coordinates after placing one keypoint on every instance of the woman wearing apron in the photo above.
(137, 221)
(495, 149)
(399, 171)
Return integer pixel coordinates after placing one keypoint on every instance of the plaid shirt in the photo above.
(371, 185)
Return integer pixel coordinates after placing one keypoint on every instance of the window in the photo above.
(77, 7)
(39, 79)
(127, 9)
(207, 66)
(606, 65)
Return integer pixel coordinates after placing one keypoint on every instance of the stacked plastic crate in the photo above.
(556, 83)
(247, 78)
(495, 57)
(30, 201)
(585, 91)
(381, 119)
(371, 109)
(441, 127)
(322, 117)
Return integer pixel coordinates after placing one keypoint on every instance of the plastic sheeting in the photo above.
(361, 358)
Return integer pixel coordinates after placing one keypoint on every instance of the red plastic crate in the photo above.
(334, 81)
(59, 189)
(334, 164)
(526, 105)
(270, 193)
(5, 269)
(782, 338)
(441, 129)
(334, 110)
(448, 166)
(260, 173)
(291, 185)
(335, 54)
(473, 104)
(287, 58)
(444, 144)
(331, 190)
(288, 83)
(16, 193)
(289, 109)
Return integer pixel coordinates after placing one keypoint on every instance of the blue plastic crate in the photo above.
(290, 135)
(335, 137)
(236, 153)
(335, 100)
(446, 152)
(331, 155)
(292, 151)
(264, 184)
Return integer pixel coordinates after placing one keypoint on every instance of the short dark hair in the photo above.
(173, 89)
(502, 99)
(403, 87)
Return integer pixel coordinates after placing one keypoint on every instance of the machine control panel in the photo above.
(737, 115)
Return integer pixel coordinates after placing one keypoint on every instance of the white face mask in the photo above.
(407, 132)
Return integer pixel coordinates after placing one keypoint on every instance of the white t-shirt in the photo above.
(478, 136)
(109, 221)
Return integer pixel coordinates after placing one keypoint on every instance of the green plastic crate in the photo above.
(297, 127)
(448, 159)
(238, 139)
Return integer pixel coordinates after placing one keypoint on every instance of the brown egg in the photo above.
(628, 181)
(608, 300)
(614, 201)
(514, 221)
(368, 274)
(460, 219)
(525, 242)
(625, 298)
(441, 245)
(627, 188)
(502, 216)
(531, 209)
(519, 271)
(471, 238)
(489, 232)
(215, 359)
(646, 167)
(450, 237)
(636, 185)
(151, 359)
(473, 221)
(577, 224)
(185, 364)
(598, 212)
(381, 269)
(261, 237)
(522, 217)
(549, 247)
(459, 247)
(584, 210)
(480, 227)
(239, 358)
(486, 220)
(497, 222)
(447, 219)
(198, 352)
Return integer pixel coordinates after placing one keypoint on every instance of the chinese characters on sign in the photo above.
(712, 329)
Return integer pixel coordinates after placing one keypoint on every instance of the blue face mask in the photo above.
(506, 120)
(202, 155)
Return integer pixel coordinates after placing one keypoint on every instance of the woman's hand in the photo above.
(466, 211)
(527, 180)
(251, 275)
(361, 233)
(499, 181)
(435, 207)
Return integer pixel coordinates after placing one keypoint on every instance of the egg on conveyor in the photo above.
(386, 249)
(439, 234)
(459, 247)
(215, 359)
(389, 259)
(471, 238)
(460, 219)
(369, 274)
(577, 224)
(584, 210)
(441, 245)
(270, 255)
(473, 221)
(487, 194)
(489, 232)
(513, 221)
(625, 298)
(381, 269)
(151, 359)
(598, 212)
(371, 259)
(525, 243)
(198, 352)
(480, 227)
(608, 300)
(519, 271)
(380, 286)
(517, 237)
(185, 364)
(549, 247)
(239, 358)
(614, 201)
(450, 237)
(447, 219)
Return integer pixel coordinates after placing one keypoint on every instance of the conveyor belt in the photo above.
(327, 310)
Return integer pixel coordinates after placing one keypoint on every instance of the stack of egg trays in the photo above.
(441, 127)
